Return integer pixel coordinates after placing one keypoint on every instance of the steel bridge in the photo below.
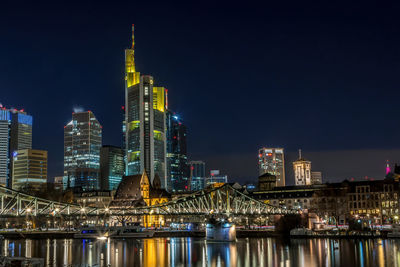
(225, 200)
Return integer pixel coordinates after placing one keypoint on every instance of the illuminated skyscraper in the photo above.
(177, 168)
(197, 175)
(5, 124)
(82, 143)
(29, 170)
(145, 107)
(302, 171)
(272, 161)
(15, 134)
(112, 167)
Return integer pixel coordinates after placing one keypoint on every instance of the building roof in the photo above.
(129, 187)
(159, 193)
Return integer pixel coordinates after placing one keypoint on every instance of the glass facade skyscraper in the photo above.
(82, 143)
(177, 167)
(5, 124)
(272, 161)
(15, 134)
(145, 106)
(197, 175)
(112, 167)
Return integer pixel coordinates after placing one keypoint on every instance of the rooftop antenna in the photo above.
(133, 36)
(299, 153)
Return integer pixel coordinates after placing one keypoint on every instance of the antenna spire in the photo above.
(133, 36)
(299, 153)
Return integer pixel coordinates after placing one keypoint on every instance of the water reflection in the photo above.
(199, 252)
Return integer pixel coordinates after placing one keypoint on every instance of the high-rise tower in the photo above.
(82, 143)
(145, 107)
(272, 161)
(29, 170)
(15, 134)
(5, 123)
(111, 167)
(177, 167)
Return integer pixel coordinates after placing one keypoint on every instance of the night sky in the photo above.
(322, 77)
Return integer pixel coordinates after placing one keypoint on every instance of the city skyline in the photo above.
(350, 127)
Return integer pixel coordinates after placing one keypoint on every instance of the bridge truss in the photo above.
(225, 200)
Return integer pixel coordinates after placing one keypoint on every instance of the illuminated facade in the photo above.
(29, 170)
(112, 167)
(145, 106)
(5, 124)
(272, 161)
(137, 190)
(302, 171)
(177, 167)
(15, 134)
(197, 175)
(82, 143)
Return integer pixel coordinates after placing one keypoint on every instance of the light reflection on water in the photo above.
(198, 252)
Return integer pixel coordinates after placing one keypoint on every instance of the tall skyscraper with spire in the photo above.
(145, 107)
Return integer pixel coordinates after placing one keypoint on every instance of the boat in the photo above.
(301, 232)
(92, 232)
(132, 231)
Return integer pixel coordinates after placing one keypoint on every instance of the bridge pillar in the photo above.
(220, 231)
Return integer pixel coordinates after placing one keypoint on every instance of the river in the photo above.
(198, 252)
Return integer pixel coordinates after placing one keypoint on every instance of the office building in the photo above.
(112, 167)
(216, 179)
(15, 134)
(145, 106)
(197, 175)
(272, 161)
(82, 143)
(302, 171)
(177, 167)
(21, 130)
(29, 170)
(316, 177)
(5, 124)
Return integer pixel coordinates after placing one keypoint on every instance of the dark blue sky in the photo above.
(323, 77)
